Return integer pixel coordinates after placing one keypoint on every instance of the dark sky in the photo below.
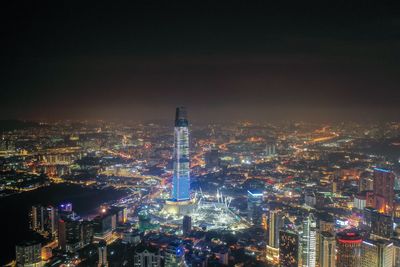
(259, 61)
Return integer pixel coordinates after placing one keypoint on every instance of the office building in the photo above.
(380, 225)
(289, 248)
(348, 246)
(69, 234)
(44, 220)
(28, 254)
(254, 206)
(181, 178)
(275, 223)
(327, 249)
(180, 202)
(379, 253)
(308, 241)
(383, 190)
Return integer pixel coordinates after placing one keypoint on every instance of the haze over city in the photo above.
(226, 61)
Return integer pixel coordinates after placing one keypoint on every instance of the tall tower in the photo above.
(275, 224)
(309, 241)
(181, 179)
(180, 203)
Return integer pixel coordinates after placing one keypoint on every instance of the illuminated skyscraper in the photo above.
(254, 206)
(379, 253)
(275, 224)
(44, 220)
(288, 249)
(348, 248)
(384, 190)
(181, 178)
(308, 241)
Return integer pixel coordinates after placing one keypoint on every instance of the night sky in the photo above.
(90, 60)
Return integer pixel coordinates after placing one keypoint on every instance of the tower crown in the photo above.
(181, 117)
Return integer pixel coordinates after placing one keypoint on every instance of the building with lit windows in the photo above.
(254, 206)
(379, 253)
(274, 226)
(289, 248)
(383, 190)
(180, 202)
(28, 254)
(348, 245)
(308, 241)
(44, 220)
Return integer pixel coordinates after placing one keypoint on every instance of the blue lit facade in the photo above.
(181, 179)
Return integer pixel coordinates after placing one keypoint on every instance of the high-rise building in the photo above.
(180, 203)
(308, 241)
(102, 251)
(275, 223)
(348, 244)
(381, 225)
(379, 253)
(28, 254)
(289, 248)
(254, 206)
(186, 224)
(396, 252)
(87, 232)
(69, 234)
(181, 178)
(327, 250)
(368, 216)
(146, 256)
(44, 220)
(384, 190)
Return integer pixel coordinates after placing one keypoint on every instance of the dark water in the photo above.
(14, 210)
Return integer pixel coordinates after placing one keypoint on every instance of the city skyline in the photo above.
(249, 133)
